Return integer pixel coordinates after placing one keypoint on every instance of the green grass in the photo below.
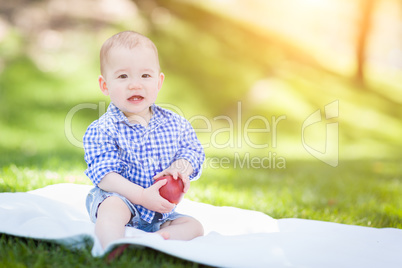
(364, 192)
(17, 252)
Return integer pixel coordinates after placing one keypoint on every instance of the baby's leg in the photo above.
(113, 215)
(183, 228)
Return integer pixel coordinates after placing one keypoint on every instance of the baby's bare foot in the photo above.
(116, 252)
(165, 235)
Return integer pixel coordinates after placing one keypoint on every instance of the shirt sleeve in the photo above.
(101, 154)
(190, 149)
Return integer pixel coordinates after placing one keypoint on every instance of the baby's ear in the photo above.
(161, 79)
(103, 85)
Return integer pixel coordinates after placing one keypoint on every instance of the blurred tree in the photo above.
(244, 54)
(366, 8)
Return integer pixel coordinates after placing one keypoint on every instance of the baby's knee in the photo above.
(114, 208)
(196, 226)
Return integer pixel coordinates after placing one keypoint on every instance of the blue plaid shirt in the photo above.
(138, 153)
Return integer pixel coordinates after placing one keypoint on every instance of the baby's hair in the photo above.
(127, 39)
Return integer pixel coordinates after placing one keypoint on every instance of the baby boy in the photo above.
(134, 143)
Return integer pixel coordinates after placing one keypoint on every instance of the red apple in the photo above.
(172, 191)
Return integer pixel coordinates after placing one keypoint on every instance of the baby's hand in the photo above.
(180, 169)
(152, 200)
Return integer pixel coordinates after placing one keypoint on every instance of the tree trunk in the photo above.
(366, 8)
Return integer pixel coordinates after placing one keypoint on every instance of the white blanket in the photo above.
(234, 237)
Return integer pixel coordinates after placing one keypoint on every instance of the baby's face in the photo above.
(132, 79)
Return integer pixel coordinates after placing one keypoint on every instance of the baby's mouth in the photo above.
(136, 98)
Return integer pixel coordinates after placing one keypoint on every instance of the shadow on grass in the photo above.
(23, 252)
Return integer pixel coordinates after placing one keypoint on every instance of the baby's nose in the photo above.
(134, 84)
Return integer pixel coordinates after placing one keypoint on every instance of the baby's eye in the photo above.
(146, 75)
(123, 76)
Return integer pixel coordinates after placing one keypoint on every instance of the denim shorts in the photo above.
(96, 196)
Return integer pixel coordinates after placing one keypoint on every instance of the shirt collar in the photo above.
(115, 114)
(157, 116)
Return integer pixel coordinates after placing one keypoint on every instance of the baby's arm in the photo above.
(190, 153)
(187, 163)
(181, 169)
(146, 197)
